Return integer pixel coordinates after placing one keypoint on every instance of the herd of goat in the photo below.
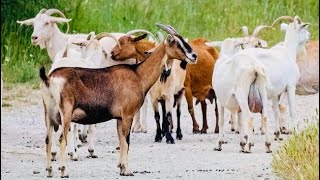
(96, 78)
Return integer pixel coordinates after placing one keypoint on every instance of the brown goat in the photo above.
(168, 90)
(198, 82)
(90, 96)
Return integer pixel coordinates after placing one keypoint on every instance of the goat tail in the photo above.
(43, 76)
(257, 90)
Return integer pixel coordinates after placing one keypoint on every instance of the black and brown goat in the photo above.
(90, 96)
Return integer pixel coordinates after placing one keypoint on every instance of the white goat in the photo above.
(240, 85)
(280, 65)
(46, 34)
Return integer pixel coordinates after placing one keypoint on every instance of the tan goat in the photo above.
(167, 90)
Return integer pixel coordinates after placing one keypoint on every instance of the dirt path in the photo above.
(23, 152)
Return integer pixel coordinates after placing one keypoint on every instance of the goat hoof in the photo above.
(283, 130)
(203, 131)
(237, 132)
(79, 145)
(170, 141)
(247, 151)
(232, 129)
(67, 176)
(217, 149)
(118, 148)
(158, 138)
(179, 137)
(195, 130)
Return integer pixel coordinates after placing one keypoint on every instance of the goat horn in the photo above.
(258, 29)
(43, 10)
(282, 17)
(90, 35)
(105, 34)
(140, 30)
(166, 28)
(49, 12)
(245, 31)
(298, 19)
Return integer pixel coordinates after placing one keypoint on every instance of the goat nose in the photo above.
(194, 56)
(112, 53)
(34, 37)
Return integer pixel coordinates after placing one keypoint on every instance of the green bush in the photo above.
(212, 19)
(298, 157)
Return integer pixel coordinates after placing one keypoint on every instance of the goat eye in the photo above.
(47, 23)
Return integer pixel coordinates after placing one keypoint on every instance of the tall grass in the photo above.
(212, 19)
(298, 157)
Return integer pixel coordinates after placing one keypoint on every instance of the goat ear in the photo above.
(59, 20)
(27, 22)
(304, 25)
(140, 37)
(284, 26)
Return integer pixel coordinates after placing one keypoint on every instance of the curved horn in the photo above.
(140, 30)
(105, 34)
(258, 29)
(298, 19)
(43, 10)
(245, 31)
(90, 35)
(172, 29)
(280, 18)
(49, 12)
(169, 30)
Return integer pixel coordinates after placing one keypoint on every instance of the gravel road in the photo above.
(23, 152)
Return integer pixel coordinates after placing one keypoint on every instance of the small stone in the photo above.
(36, 172)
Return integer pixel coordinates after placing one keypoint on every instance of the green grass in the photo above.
(212, 19)
(298, 157)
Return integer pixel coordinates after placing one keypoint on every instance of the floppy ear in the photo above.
(140, 37)
(59, 20)
(27, 22)
(284, 26)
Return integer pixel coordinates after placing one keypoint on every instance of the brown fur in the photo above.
(198, 82)
(98, 95)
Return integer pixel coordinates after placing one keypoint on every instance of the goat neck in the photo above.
(291, 42)
(56, 42)
(151, 69)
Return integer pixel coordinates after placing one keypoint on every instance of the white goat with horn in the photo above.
(280, 65)
(242, 90)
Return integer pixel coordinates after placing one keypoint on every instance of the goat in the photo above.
(167, 90)
(198, 82)
(308, 83)
(134, 50)
(242, 89)
(46, 34)
(280, 60)
(251, 41)
(115, 92)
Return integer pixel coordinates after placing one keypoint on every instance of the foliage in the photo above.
(212, 19)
